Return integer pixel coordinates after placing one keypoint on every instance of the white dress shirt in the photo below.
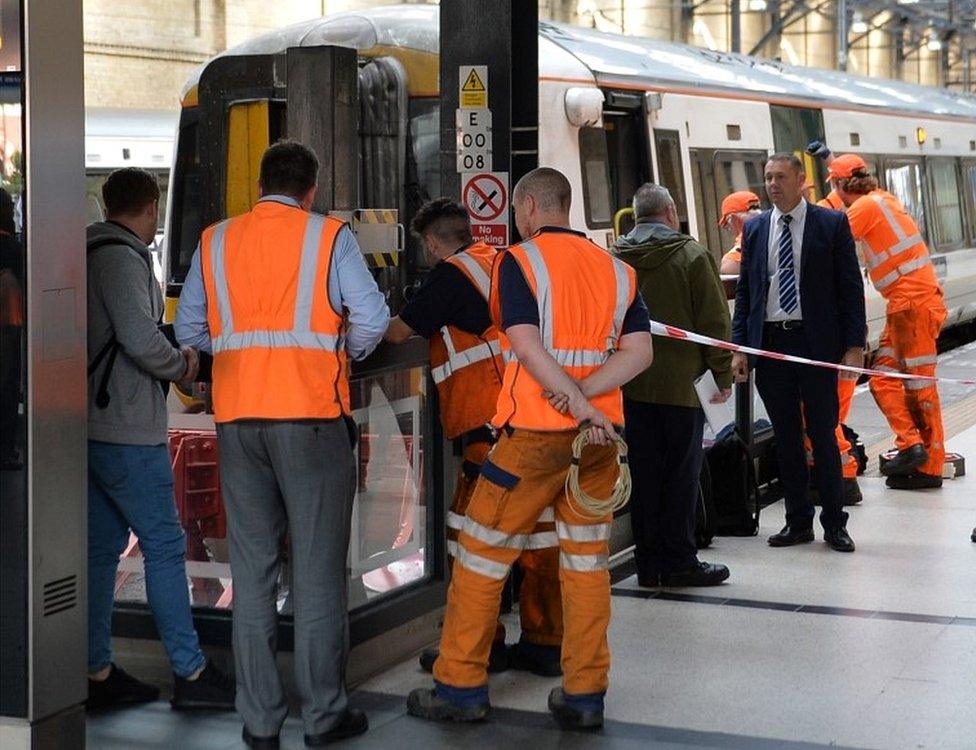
(773, 310)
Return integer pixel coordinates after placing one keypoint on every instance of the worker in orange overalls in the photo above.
(737, 209)
(574, 329)
(451, 309)
(900, 268)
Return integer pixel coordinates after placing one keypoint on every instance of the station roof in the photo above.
(628, 60)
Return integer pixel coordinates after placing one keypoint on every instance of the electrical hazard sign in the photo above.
(473, 83)
(485, 195)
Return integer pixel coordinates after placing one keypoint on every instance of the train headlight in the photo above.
(584, 106)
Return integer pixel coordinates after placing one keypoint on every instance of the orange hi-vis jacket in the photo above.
(467, 369)
(277, 337)
(832, 200)
(583, 294)
(894, 251)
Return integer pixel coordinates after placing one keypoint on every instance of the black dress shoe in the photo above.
(700, 574)
(260, 743)
(906, 461)
(497, 658)
(352, 723)
(212, 690)
(839, 539)
(915, 481)
(117, 690)
(649, 580)
(572, 718)
(790, 535)
(852, 492)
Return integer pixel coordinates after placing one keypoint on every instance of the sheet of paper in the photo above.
(719, 416)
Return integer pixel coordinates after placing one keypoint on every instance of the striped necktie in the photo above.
(788, 297)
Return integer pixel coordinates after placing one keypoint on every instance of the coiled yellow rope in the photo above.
(586, 506)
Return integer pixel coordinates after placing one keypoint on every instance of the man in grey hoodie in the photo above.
(130, 479)
(679, 281)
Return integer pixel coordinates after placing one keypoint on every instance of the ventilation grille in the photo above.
(60, 595)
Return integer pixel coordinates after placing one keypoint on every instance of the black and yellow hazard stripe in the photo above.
(376, 216)
(382, 260)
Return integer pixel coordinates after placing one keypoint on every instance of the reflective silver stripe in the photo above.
(459, 360)
(886, 368)
(452, 548)
(579, 357)
(479, 564)
(598, 532)
(455, 520)
(306, 272)
(582, 563)
(509, 356)
(542, 540)
(886, 351)
(620, 308)
(903, 270)
(477, 273)
(543, 291)
(874, 260)
(918, 385)
(493, 537)
(219, 275)
(890, 217)
(928, 359)
(548, 515)
(227, 342)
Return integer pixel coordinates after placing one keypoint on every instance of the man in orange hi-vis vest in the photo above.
(737, 209)
(574, 329)
(451, 309)
(900, 268)
(283, 298)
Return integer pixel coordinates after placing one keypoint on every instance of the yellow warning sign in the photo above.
(473, 80)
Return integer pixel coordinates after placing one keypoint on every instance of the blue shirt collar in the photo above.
(286, 199)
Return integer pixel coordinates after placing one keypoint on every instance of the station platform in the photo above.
(801, 648)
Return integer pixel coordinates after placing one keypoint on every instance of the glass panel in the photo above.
(596, 177)
(187, 214)
(670, 173)
(388, 546)
(947, 204)
(905, 183)
(425, 142)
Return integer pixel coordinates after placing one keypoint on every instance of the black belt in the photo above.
(483, 434)
(784, 325)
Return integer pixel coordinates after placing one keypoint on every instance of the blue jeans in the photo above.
(131, 487)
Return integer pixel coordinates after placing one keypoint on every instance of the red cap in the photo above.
(738, 202)
(845, 165)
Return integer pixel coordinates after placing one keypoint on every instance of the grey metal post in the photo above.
(842, 45)
(736, 24)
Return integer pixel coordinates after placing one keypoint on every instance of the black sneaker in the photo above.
(117, 690)
(211, 690)
(352, 723)
(914, 481)
(260, 743)
(424, 703)
(497, 658)
(572, 718)
(699, 574)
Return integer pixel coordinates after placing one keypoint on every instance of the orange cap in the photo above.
(734, 203)
(845, 165)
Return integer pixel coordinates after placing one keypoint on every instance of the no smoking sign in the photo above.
(485, 195)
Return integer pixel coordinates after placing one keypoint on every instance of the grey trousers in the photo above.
(299, 477)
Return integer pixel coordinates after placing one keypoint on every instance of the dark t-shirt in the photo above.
(447, 297)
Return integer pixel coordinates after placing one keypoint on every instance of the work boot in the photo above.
(570, 716)
(117, 690)
(212, 690)
(497, 658)
(852, 492)
(914, 481)
(544, 661)
(425, 703)
(906, 461)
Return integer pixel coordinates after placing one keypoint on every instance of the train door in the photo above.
(793, 129)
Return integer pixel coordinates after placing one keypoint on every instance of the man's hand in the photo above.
(600, 427)
(558, 401)
(722, 396)
(192, 359)
(853, 357)
(740, 367)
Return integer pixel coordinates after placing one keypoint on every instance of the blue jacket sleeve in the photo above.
(740, 316)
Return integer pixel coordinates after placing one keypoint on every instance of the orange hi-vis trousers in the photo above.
(845, 395)
(521, 480)
(540, 603)
(912, 408)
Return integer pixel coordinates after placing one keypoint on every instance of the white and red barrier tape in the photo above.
(673, 332)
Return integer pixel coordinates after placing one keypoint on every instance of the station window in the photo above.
(946, 204)
(904, 181)
(594, 164)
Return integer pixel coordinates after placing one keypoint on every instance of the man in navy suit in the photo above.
(800, 292)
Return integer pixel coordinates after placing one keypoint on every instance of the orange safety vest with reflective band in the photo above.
(583, 294)
(467, 369)
(894, 251)
(833, 201)
(277, 338)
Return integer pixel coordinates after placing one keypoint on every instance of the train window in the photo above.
(425, 118)
(670, 173)
(188, 201)
(969, 192)
(946, 204)
(594, 163)
(904, 181)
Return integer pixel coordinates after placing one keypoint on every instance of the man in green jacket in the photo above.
(679, 280)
